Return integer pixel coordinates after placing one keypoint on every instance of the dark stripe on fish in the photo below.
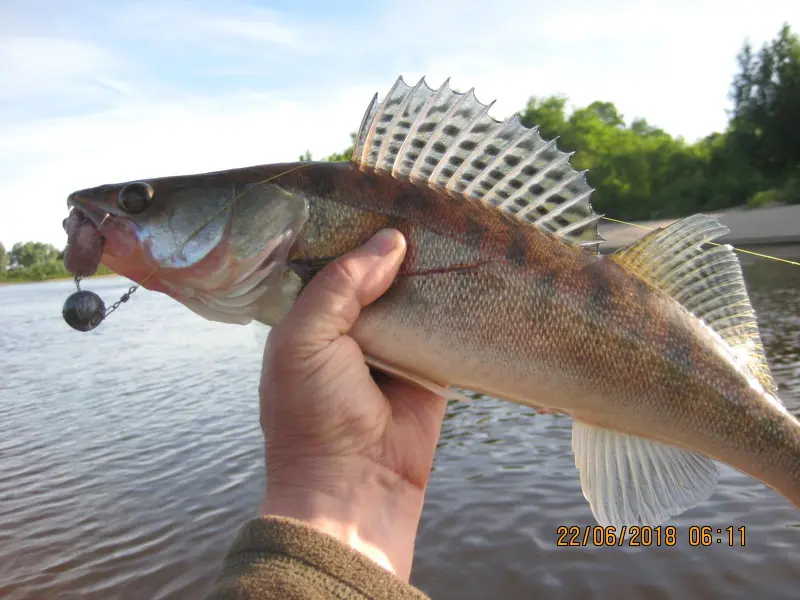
(517, 251)
(546, 286)
(475, 231)
(600, 288)
(410, 200)
(678, 348)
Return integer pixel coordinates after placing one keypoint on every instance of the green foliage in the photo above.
(640, 172)
(787, 194)
(546, 113)
(765, 198)
(32, 253)
(765, 121)
(345, 155)
(35, 261)
(51, 269)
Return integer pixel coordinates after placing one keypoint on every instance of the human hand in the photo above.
(346, 453)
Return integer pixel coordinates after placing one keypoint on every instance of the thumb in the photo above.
(331, 302)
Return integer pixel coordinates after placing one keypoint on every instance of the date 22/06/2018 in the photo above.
(633, 536)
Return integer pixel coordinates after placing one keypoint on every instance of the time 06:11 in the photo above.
(710, 536)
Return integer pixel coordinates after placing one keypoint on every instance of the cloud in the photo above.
(211, 27)
(52, 67)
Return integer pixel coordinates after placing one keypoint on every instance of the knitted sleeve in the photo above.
(277, 557)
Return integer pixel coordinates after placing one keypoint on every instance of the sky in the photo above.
(95, 92)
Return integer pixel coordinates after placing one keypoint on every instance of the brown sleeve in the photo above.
(276, 557)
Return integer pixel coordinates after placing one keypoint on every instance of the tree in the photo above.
(765, 121)
(345, 155)
(31, 253)
(546, 113)
(607, 112)
(3, 260)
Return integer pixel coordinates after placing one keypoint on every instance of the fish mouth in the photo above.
(88, 210)
(92, 234)
(85, 243)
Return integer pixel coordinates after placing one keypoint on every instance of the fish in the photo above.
(653, 350)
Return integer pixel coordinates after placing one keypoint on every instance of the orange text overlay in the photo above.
(643, 535)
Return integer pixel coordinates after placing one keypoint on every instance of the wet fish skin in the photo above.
(485, 303)
(489, 302)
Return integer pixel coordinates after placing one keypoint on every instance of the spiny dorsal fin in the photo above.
(707, 281)
(448, 141)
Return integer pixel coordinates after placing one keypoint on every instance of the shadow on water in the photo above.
(129, 456)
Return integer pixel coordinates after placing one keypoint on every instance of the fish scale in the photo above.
(654, 351)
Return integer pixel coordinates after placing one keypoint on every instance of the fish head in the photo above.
(215, 243)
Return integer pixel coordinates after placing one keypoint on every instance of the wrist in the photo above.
(359, 502)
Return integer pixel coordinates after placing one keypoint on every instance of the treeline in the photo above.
(35, 261)
(641, 172)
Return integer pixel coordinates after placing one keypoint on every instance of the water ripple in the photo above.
(130, 455)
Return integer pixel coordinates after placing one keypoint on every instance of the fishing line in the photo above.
(783, 260)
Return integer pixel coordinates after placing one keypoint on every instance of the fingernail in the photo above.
(383, 242)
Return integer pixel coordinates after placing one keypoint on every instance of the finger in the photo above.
(331, 302)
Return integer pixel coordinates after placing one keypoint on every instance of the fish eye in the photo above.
(135, 197)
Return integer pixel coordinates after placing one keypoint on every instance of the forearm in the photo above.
(276, 557)
(358, 502)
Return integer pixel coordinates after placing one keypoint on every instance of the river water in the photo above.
(130, 455)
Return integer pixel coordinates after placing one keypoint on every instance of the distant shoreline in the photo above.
(767, 226)
(27, 281)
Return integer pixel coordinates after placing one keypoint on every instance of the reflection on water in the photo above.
(130, 455)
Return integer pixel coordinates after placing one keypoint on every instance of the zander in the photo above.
(654, 350)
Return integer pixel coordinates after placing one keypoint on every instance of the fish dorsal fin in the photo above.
(706, 280)
(447, 141)
(628, 480)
